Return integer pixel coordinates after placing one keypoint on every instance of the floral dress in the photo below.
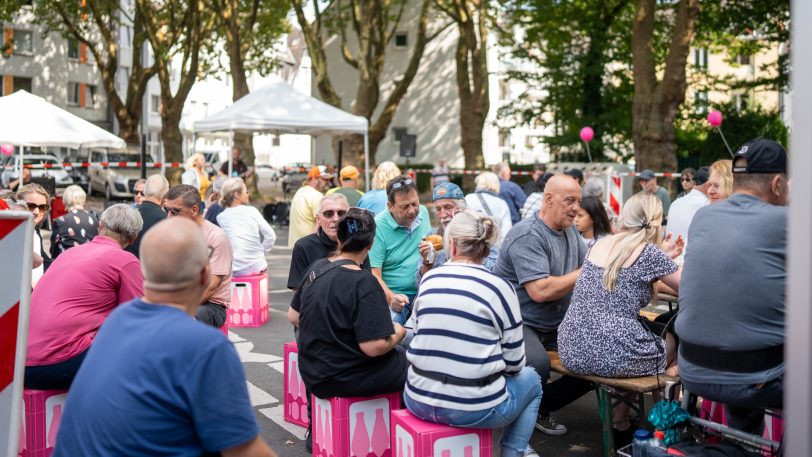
(74, 228)
(601, 333)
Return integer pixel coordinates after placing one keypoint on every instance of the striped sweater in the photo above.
(468, 325)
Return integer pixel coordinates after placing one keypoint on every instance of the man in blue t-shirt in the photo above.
(155, 381)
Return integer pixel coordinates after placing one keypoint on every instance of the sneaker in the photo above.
(548, 425)
(529, 452)
(308, 440)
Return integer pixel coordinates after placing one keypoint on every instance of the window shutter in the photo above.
(82, 88)
(82, 53)
(8, 40)
(8, 84)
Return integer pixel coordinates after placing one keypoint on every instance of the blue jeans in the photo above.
(517, 414)
(404, 314)
(744, 404)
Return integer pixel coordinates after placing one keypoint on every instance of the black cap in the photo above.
(761, 156)
(575, 173)
(701, 176)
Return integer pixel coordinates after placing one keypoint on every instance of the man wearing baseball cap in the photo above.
(349, 185)
(648, 184)
(305, 204)
(731, 298)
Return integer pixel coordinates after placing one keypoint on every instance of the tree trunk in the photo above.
(656, 103)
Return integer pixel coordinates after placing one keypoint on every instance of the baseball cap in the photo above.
(349, 172)
(575, 173)
(319, 171)
(701, 176)
(761, 156)
(646, 175)
(447, 190)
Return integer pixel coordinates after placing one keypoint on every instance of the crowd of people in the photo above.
(458, 317)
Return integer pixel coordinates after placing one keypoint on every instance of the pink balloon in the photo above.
(7, 149)
(587, 134)
(715, 118)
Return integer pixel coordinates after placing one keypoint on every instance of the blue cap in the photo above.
(447, 190)
(642, 434)
(646, 175)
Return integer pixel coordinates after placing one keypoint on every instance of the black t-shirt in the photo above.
(239, 168)
(309, 249)
(337, 312)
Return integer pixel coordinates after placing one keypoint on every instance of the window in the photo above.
(73, 93)
(90, 96)
(504, 90)
(23, 42)
(504, 138)
(744, 59)
(700, 102)
(701, 58)
(742, 101)
(275, 141)
(155, 104)
(398, 132)
(73, 49)
(20, 83)
(205, 109)
(401, 39)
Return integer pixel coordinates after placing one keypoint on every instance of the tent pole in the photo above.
(366, 160)
(230, 152)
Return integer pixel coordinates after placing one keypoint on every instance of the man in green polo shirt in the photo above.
(394, 255)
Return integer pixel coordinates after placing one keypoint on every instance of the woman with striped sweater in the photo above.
(468, 361)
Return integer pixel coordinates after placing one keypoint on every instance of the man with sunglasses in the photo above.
(305, 204)
(321, 244)
(138, 192)
(395, 256)
(151, 208)
(184, 201)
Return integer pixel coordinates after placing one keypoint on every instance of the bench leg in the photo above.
(605, 411)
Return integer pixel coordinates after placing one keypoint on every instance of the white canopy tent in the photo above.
(279, 108)
(28, 120)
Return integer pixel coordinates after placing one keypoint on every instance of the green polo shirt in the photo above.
(395, 250)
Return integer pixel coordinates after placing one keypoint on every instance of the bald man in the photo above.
(541, 257)
(156, 381)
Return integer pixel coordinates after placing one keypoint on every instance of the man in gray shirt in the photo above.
(731, 303)
(541, 257)
(648, 183)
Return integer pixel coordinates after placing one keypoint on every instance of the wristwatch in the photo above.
(429, 258)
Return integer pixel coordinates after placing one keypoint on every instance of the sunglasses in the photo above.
(139, 192)
(405, 183)
(684, 179)
(33, 206)
(173, 211)
(332, 212)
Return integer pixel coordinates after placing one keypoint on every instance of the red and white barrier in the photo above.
(71, 165)
(16, 241)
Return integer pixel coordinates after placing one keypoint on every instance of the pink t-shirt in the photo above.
(75, 295)
(220, 258)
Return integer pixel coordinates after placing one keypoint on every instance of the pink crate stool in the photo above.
(249, 301)
(353, 427)
(773, 421)
(414, 437)
(295, 398)
(42, 413)
(224, 329)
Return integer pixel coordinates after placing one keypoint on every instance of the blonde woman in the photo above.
(375, 199)
(486, 200)
(720, 184)
(196, 175)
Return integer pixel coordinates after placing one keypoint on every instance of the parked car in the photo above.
(294, 174)
(37, 161)
(114, 183)
(267, 172)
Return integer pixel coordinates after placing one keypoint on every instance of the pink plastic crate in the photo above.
(353, 427)
(42, 413)
(773, 421)
(295, 398)
(249, 301)
(414, 437)
(224, 329)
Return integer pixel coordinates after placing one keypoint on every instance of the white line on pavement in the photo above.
(258, 396)
(278, 366)
(276, 415)
(279, 291)
(244, 351)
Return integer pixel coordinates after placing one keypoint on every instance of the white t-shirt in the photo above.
(498, 208)
(250, 236)
(682, 213)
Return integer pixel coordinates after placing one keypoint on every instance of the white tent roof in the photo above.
(28, 120)
(279, 108)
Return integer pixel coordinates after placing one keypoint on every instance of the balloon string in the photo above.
(589, 154)
(719, 129)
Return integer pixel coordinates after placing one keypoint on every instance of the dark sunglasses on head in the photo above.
(332, 212)
(33, 206)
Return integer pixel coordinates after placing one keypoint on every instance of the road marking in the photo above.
(234, 338)
(278, 366)
(279, 291)
(276, 415)
(258, 396)
(244, 351)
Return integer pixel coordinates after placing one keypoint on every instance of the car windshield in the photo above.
(39, 161)
(118, 157)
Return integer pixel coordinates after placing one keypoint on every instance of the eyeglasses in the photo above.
(42, 208)
(405, 183)
(173, 211)
(686, 178)
(139, 192)
(332, 212)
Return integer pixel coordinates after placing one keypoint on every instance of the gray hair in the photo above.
(140, 181)
(334, 197)
(473, 233)
(231, 188)
(74, 197)
(123, 220)
(593, 187)
(156, 187)
(487, 181)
